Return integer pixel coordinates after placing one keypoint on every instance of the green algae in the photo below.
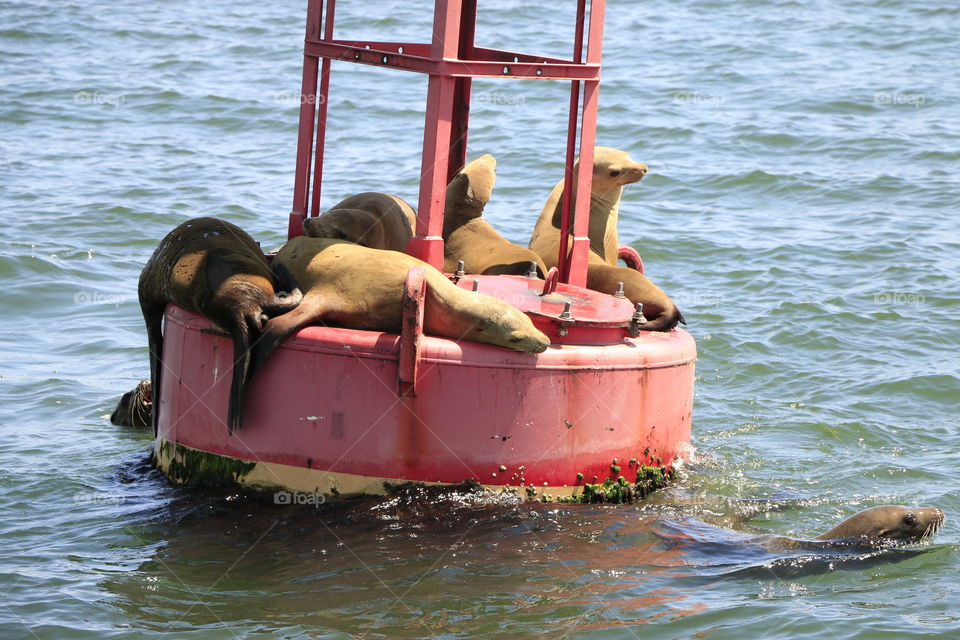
(194, 468)
(621, 490)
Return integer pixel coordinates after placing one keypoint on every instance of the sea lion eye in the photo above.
(909, 519)
(614, 174)
(515, 340)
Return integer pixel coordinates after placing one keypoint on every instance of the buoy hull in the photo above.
(326, 413)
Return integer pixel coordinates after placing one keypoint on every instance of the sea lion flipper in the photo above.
(280, 327)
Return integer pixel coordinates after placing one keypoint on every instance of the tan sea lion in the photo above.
(873, 527)
(659, 310)
(470, 238)
(612, 169)
(135, 408)
(890, 522)
(213, 268)
(361, 288)
(375, 220)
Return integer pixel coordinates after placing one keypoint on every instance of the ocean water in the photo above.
(802, 209)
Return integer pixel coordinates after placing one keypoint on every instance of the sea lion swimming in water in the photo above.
(374, 220)
(612, 170)
(470, 238)
(135, 408)
(881, 526)
(212, 267)
(361, 288)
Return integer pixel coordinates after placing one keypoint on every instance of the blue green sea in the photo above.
(802, 208)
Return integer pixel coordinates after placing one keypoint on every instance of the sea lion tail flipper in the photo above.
(153, 317)
(279, 328)
(282, 278)
(241, 370)
(664, 321)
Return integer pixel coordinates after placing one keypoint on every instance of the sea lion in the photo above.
(659, 310)
(871, 528)
(889, 523)
(375, 220)
(612, 169)
(213, 268)
(470, 238)
(362, 288)
(135, 408)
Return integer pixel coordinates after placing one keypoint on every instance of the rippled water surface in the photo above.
(802, 209)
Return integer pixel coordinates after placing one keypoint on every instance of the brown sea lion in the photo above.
(361, 288)
(890, 522)
(659, 310)
(470, 238)
(612, 169)
(135, 408)
(213, 268)
(375, 220)
(873, 527)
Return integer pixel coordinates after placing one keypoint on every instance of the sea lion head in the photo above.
(614, 168)
(889, 523)
(469, 192)
(353, 225)
(507, 326)
(135, 408)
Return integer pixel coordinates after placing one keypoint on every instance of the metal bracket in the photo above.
(411, 330)
(630, 256)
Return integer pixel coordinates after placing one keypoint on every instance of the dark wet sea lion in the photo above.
(213, 268)
(375, 220)
(135, 408)
(361, 288)
(612, 170)
(470, 238)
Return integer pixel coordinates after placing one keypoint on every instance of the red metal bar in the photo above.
(630, 257)
(411, 330)
(308, 87)
(322, 100)
(568, 178)
(580, 251)
(427, 243)
(461, 92)
(453, 67)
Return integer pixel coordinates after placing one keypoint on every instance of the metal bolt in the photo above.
(638, 314)
(619, 292)
(532, 270)
(565, 314)
(459, 271)
(502, 468)
(476, 287)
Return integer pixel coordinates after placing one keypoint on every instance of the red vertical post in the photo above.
(563, 264)
(461, 91)
(308, 87)
(321, 100)
(580, 251)
(427, 243)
